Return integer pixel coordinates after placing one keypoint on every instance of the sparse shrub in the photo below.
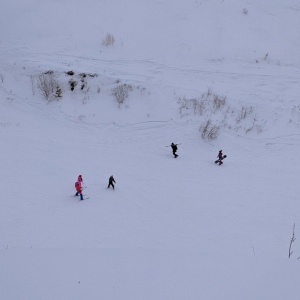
(70, 73)
(58, 93)
(266, 56)
(208, 101)
(72, 84)
(245, 11)
(244, 113)
(250, 128)
(196, 104)
(293, 239)
(47, 85)
(93, 75)
(86, 90)
(209, 92)
(214, 106)
(260, 127)
(218, 101)
(109, 40)
(121, 92)
(209, 131)
(83, 84)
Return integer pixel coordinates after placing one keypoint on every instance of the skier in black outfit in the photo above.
(174, 149)
(111, 182)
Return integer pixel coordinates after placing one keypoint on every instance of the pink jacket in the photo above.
(79, 180)
(78, 187)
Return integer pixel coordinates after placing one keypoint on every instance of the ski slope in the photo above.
(180, 228)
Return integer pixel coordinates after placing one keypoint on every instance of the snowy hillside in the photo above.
(102, 88)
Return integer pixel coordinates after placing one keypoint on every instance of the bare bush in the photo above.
(293, 239)
(198, 105)
(245, 11)
(249, 128)
(208, 101)
(244, 113)
(183, 105)
(214, 106)
(218, 101)
(70, 73)
(121, 92)
(213, 132)
(209, 131)
(260, 127)
(58, 92)
(109, 40)
(208, 93)
(266, 56)
(47, 86)
(72, 84)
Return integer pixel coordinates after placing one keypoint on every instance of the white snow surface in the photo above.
(172, 229)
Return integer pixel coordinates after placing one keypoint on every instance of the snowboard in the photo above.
(220, 160)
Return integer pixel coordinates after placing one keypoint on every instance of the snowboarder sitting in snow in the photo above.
(111, 182)
(174, 149)
(78, 190)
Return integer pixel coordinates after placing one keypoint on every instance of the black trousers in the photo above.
(111, 184)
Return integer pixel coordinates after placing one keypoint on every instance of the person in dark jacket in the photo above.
(220, 155)
(111, 182)
(174, 149)
(220, 158)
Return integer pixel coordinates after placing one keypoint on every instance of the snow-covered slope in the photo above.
(173, 228)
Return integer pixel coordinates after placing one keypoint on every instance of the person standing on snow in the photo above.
(78, 190)
(220, 158)
(174, 149)
(220, 155)
(111, 182)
